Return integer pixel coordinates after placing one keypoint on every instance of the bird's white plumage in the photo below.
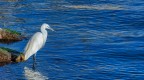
(37, 41)
(34, 44)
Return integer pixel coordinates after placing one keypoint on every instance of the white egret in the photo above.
(36, 42)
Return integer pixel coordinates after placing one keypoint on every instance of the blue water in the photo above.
(93, 39)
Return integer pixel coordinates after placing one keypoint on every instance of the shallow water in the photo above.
(93, 39)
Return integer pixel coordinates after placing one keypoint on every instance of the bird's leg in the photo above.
(33, 67)
(34, 58)
(34, 61)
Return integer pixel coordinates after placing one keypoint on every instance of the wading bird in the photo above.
(37, 41)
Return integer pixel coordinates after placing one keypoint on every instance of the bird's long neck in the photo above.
(44, 32)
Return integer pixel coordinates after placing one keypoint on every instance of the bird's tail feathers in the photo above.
(27, 54)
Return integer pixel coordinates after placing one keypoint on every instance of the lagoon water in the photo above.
(93, 39)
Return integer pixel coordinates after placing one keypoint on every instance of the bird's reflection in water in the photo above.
(31, 74)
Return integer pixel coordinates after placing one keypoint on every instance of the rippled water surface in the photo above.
(93, 39)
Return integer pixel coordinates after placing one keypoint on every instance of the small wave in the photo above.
(8, 0)
(96, 7)
(133, 33)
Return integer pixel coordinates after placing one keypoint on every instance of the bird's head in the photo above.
(46, 26)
